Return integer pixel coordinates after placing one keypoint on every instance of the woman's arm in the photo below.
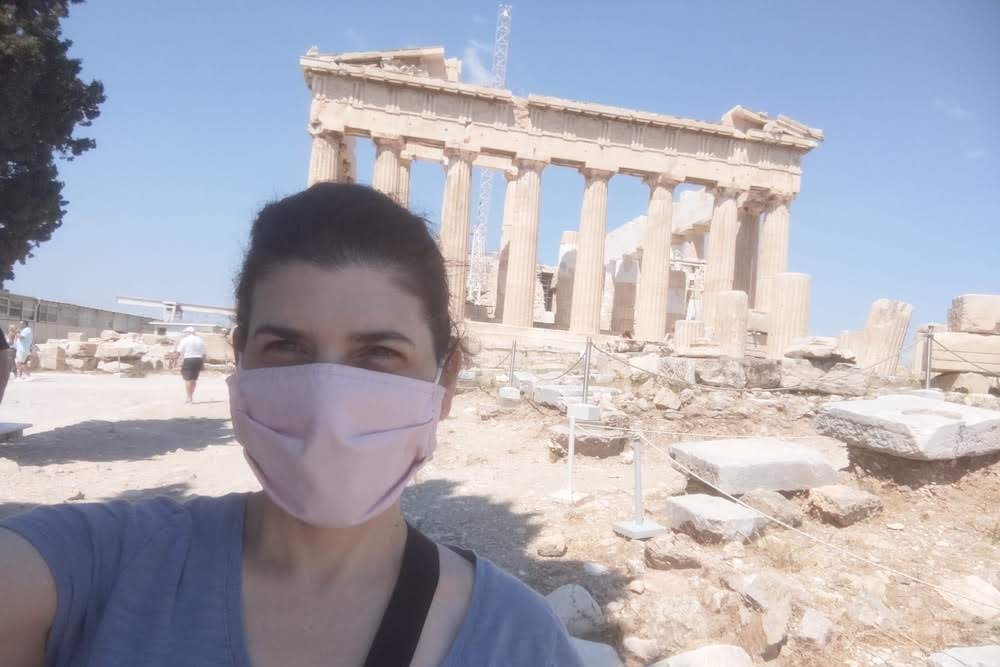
(27, 602)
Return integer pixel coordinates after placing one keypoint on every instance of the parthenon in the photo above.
(411, 104)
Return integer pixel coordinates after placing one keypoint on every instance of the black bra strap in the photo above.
(403, 621)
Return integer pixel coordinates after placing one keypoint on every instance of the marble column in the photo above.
(653, 290)
(588, 278)
(565, 273)
(721, 260)
(387, 157)
(522, 260)
(884, 334)
(745, 269)
(772, 254)
(325, 157)
(731, 329)
(455, 225)
(403, 185)
(509, 198)
(789, 315)
(685, 334)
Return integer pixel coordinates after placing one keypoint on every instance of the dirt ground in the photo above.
(98, 437)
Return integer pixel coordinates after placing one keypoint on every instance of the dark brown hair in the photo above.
(338, 224)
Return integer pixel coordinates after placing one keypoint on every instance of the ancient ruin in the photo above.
(411, 104)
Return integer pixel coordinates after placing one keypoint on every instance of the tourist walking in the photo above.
(5, 364)
(9, 352)
(191, 351)
(22, 350)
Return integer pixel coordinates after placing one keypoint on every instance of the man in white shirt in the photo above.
(22, 350)
(192, 352)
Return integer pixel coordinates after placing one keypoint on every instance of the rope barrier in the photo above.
(629, 429)
(840, 550)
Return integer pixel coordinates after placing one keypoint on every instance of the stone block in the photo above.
(589, 441)
(966, 656)
(673, 551)
(641, 649)
(84, 364)
(710, 519)
(815, 628)
(822, 377)
(108, 335)
(577, 610)
(762, 373)
(114, 367)
(843, 505)
(975, 313)
(975, 588)
(719, 655)
(741, 465)
(509, 397)
(643, 366)
(125, 350)
(912, 427)
(667, 399)
(970, 353)
(80, 350)
(560, 395)
(818, 347)
(74, 336)
(51, 357)
(776, 505)
(721, 372)
(678, 369)
(966, 383)
(584, 412)
(595, 654)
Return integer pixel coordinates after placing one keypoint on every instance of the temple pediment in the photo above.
(424, 62)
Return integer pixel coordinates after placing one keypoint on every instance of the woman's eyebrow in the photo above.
(277, 330)
(371, 337)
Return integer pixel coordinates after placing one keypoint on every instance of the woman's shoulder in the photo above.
(508, 623)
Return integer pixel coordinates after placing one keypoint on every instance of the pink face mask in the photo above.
(333, 445)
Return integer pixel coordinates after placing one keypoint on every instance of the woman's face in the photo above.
(355, 316)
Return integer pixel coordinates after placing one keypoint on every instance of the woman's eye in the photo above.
(380, 353)
(285, 346)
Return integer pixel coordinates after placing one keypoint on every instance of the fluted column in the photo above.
(745, 269)
(772, 255)
(884, 334)
(789, 315)
(325, 157)
(653, 290)
(403, 184)
(387, 156)
(721, 260)
(588, 278)
(509, 205)
(455, 225)
(731, 327)
(522, 260)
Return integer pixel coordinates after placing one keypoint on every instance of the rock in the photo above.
(741, 465)
(642, 649)
(774, 504)
(525, 381)
(487, 412)
(643, 405)
(560, 395)
(975, 313)
(795, 407)
(982, 352)
(79, 349)
(588, 441)
(722, 372)
(114, 367)
(967, 383)
(985, 401)
(675, 619)
(79, 495)
(719, 655)
(635, 567)
(710, 519)
(88, 364)
(593, 654)
(815, 628)
(843, 505)
(121, 349)
(551, 545)
(108, 334)
(595, 569)
(637, 586)
(818, 347)
(762, 373)
(869, 609)
(973, 587)
(576, 609)
(51, 357)
(822, 377)
(966, 656)
(667, 399)
(644, 366)
(678, 370)
(912, 427)
(508, 397)
(622, 345)
(671, 551)
(895, 526)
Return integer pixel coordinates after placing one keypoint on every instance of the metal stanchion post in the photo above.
(928, 355)
(572, 454)
(639, 528)
(586, 372)
(513, 356)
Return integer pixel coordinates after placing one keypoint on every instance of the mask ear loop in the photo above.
(444, 362)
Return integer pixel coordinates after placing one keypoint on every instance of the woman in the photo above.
(10, 351)
(346, 361)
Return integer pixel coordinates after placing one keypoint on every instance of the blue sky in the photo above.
(206, 114)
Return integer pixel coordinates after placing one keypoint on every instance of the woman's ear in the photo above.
(236, 340)
(449, 379)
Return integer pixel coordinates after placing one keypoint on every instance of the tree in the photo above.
(42, 102)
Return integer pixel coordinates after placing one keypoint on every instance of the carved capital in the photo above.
(388, 142)
(667, 181)
(775, 199)
(459, 153)
(529, 164)
(593, 174)
(721, 192)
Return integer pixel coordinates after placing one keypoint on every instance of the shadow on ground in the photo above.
(130, 440)
(916, 474)
(505, 537)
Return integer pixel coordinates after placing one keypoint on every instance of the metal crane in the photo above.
(478, 271)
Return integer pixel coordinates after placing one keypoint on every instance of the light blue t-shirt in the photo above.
(22, 344)
(157, 583)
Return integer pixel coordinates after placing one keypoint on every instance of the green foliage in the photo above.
(42, 101)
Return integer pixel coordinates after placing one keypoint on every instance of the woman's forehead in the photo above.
(343, 300)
